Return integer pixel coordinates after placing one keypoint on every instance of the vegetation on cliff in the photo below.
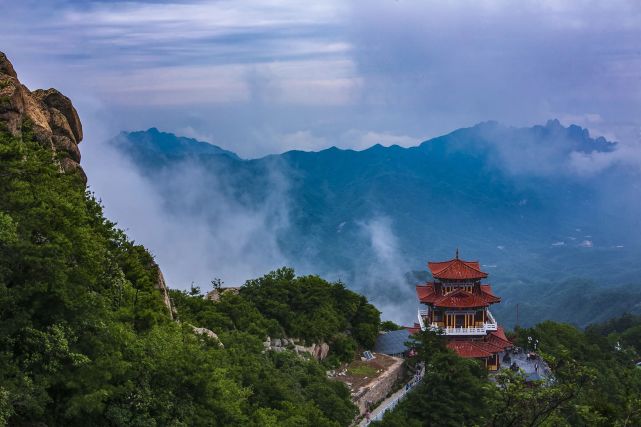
(85, 338)
(280, 304)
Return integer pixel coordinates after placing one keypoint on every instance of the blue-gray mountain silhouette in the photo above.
(556, 235)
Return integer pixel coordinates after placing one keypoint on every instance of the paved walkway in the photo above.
(391, 402)
(533, 368)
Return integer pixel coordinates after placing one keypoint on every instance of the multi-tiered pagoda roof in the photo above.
(456, 269)
(433, 293)
(457, 304)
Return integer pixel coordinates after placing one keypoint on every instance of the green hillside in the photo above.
(85, 338)
(596, 382)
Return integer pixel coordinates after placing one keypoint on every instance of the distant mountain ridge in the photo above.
(522, 201)
(169, 144)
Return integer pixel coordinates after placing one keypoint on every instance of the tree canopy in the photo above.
(85, 338)
(595, 382)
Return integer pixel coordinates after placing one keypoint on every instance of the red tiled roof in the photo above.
(493, 344)
(432, 293)
(498, 338)
(460, 299)
(489, 296)
(413, 329)
(456, 269)
(468, 349)
(426, 292)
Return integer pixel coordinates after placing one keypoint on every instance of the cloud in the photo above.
(179, 54)
(626, 155)
(239, 70)
(383, 277)
(586, 244)
(230, 240)
(554, 150)
(445, 64)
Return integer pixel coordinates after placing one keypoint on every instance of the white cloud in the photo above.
(625, 155)
(229, 240)
(586, 244)
(383, 278)
(384, 68)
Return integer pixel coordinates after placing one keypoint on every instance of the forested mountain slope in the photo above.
(549, 226)
(86, 336)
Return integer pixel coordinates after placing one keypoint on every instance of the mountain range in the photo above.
(548, 210)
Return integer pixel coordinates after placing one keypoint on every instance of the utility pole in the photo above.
(517, 315)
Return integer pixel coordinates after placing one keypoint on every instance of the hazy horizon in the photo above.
(260, 77)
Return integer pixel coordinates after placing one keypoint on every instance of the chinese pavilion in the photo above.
(457, 304)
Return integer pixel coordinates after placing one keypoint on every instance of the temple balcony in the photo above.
(462, 331)
(479, 329)
(421, 315)
(491, 324)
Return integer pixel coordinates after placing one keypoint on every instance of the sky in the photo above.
(264, 76)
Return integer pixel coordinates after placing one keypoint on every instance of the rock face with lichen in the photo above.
(54, 122)
(51, 116)
(164, 291)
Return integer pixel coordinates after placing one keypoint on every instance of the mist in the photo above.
(261, 79)
(206, 219)
(211, 235)
(200, 225)
(384, 277)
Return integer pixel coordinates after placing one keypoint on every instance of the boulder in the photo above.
(208, 333)
(318, 351)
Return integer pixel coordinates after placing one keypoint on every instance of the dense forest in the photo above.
(85, 338)
(595, 382)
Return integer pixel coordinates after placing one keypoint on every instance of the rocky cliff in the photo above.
(161, 285)
(50, 115)
(54, 122)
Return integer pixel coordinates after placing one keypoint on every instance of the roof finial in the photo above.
(456, 253)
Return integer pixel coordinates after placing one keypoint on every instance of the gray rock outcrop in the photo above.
(161, 285)
(209, 334)
(318, 351)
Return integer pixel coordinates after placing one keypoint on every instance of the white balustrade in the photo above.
(489, 316)
(491, 325)
(420, 319)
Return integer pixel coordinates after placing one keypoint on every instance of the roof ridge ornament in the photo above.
(456, 253)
